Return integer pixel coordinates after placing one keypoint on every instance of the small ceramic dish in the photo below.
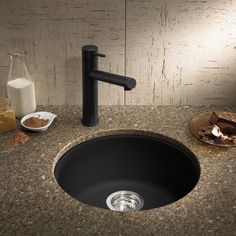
(42, 115)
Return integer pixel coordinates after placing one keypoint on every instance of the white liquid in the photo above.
(21, 92)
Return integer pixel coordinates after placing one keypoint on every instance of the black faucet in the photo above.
(91, 75)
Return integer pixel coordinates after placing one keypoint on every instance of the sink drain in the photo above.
(125, 201)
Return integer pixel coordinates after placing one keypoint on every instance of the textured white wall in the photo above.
(182, 52)
(179, 51)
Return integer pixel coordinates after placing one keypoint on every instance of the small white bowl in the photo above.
(42, 115)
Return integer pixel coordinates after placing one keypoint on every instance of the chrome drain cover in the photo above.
(125, 201)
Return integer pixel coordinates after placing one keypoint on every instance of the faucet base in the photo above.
(89, 123)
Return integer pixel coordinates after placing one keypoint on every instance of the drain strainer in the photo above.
(125, 201)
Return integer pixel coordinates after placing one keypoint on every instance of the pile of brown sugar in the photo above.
(14, 139)
(35, 122)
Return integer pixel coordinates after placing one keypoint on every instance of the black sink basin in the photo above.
(156, 170)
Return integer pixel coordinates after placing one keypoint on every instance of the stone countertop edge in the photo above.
(32, 203)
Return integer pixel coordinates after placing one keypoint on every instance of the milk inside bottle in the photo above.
(20, 87)
(21, 92)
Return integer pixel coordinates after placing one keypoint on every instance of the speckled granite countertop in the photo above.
(31, 202)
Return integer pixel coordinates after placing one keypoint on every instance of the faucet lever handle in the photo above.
(99, 55)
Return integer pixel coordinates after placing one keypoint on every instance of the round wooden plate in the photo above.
(200, 121)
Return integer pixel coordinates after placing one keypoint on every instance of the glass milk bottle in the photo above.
(20, 87)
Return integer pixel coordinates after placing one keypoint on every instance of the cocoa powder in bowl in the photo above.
(35, 122)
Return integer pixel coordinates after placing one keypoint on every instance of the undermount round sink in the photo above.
(128, 172)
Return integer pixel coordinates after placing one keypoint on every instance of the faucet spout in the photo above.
(91, 75)
(126, 82)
